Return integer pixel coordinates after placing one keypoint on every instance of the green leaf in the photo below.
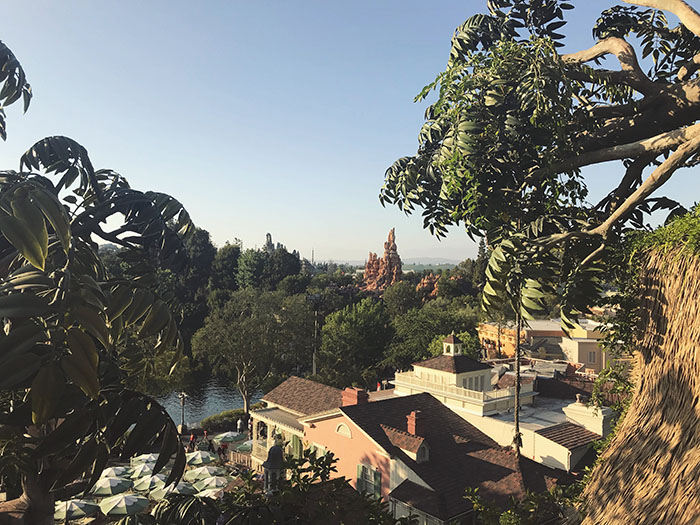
(27, 212)
(55, 213)
(24, 304)
(47, 389)
(17, 369)
(156, 320)
(93, 323)
(21, 237)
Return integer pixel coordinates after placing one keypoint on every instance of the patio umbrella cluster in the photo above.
(128, 490)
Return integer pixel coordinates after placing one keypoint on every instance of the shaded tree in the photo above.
(64, 317)
(224, 268)
(515, 122)
(400, 297)
(352, 343)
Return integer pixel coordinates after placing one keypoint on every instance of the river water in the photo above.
(204, 398)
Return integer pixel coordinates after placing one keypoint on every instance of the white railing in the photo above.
(409, 379)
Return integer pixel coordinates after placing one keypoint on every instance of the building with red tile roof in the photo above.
(421, 456)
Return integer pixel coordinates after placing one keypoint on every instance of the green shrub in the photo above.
(226, 420)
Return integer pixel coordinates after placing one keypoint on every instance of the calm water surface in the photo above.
(205, 398)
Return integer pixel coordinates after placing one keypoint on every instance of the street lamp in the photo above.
(182, 396)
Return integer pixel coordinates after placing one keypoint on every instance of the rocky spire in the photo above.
(381, 273)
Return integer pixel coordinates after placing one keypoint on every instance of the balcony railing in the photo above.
(409, 379)
(259, 450)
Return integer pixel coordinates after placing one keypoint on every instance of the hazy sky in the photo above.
(258, 116)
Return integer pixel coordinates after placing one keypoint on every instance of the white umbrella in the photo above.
(200, 458)
(149, 483)
(144, 469)
(74, 508)
(181, 488)
(115, 472)
(144, 458)
(215, 482)
(123, 505)
(229, 437)
(203, 472)
(110, 486)
(211, 493)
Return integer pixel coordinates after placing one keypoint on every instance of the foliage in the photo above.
(417, 328)
(224, 268)
(352, 343)
(226, 420)
(264, 269)
(64, 318)
(400, 297)
(307, 495)
(502, 146)
(471, 346)
(255, 337)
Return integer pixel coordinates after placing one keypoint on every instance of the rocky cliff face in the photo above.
(380, 273)
(427, 288)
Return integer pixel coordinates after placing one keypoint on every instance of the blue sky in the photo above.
(258, 116)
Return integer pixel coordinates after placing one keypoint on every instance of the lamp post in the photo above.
(315, 300)
(182, 396)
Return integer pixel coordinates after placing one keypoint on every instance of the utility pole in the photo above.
(517, 440)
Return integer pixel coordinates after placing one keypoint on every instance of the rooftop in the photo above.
(453, 363)
(280, 416)
(569, 435)
(304, 397)
(460, 455)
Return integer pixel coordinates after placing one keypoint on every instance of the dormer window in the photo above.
(422, 454)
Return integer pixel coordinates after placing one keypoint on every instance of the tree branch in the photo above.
(688, 16)
(631, 72)
(657, 178)
(650, 146)
(689, 68)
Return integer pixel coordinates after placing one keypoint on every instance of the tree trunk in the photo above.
(34, 507)
(650, 472)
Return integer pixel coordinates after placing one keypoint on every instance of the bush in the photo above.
(226, 420)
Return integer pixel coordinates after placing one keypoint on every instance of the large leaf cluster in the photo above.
(501, 115)
(63, 317)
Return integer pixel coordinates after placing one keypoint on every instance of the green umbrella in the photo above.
(200, 458)
(123, 505)
(148, 483)
(245, 446)
(181, 488)
(203, 472)
(116, 472)
(110, 486)
(215, 482)
(73, 509)
(139, 471)
(229, 437)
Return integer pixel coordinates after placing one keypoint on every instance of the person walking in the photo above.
(192, 442)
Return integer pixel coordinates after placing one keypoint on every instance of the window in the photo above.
(591, 357)
(369, 480)
(343, 430)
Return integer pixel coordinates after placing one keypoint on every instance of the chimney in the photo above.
(354, 396)
(416, 423)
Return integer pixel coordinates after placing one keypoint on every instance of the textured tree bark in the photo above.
(650, 472)
(34, 507)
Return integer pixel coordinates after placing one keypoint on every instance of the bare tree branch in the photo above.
(688, 69)
(631, 72)
(657, 178)
(650, 146)
(688, 16)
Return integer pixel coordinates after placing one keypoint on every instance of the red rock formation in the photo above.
(427, 288)
(380, 273)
